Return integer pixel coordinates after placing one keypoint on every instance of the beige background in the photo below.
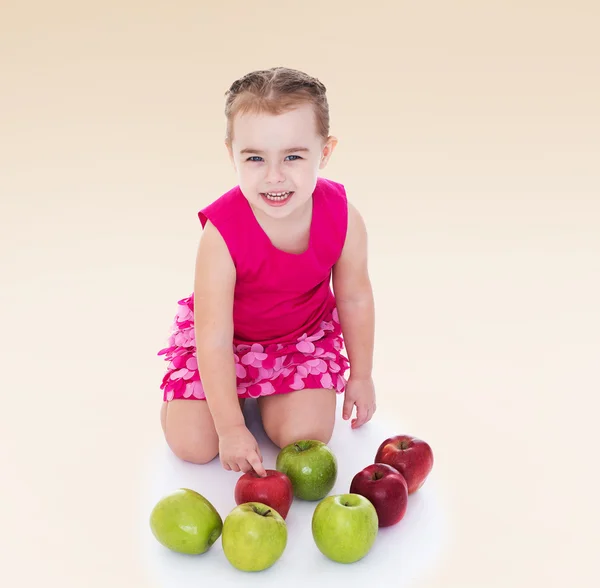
(469, 138)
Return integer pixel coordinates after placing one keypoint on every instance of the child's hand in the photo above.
(359, 393)
(239, 451)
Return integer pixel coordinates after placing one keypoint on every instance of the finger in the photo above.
(256, 465)
(361, 415)
(366, 418)
(347, 410)
(226, 466)
(235, 467)
(245, 466)
(258, 452)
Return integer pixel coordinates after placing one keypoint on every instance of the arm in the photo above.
(355, 304)
(214, 285)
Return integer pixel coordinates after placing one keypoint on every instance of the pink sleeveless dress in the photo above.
(287, 334)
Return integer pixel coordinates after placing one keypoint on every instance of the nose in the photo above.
(274, 174)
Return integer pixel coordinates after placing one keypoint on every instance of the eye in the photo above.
(254, 158)
(295, 157)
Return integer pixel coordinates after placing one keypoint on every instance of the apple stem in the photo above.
(259, 511)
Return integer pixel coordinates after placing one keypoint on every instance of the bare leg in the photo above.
(189, 430)
(304, 414)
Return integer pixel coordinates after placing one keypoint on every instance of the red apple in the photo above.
(274, 490)
(387, 490)
(412, 457)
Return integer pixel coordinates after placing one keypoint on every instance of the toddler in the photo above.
(281, 287)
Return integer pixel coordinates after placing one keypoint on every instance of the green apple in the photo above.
(254, 537)
(311, 466)
(345, 527)
(186, 522)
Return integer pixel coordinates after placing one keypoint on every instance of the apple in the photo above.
(311, 466)
(186, 522)
(411, 456)
(274, 490)
(345, 527)
(387, 490)
(254, 537)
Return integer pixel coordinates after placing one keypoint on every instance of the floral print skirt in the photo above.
(314, 360)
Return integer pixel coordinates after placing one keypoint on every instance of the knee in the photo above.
(190, 433)
(193, 450)
(288, 435)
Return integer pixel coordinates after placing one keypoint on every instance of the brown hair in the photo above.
(275, 91)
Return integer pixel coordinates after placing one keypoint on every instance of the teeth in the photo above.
(277, 195)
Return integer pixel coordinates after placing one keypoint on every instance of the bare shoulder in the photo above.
(213, 252)
(356, 222)
(356, 234)
(350, 273)
(214, 285)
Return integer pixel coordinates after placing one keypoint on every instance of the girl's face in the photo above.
(277, 158)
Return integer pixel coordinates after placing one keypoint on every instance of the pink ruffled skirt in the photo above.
(315, 360)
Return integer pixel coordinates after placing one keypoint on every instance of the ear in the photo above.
(328, 149)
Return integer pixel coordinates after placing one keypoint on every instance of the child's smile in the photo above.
(277, 198)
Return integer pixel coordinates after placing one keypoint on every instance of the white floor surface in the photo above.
(401, 554)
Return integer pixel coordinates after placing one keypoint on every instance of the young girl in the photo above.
(281, 273)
